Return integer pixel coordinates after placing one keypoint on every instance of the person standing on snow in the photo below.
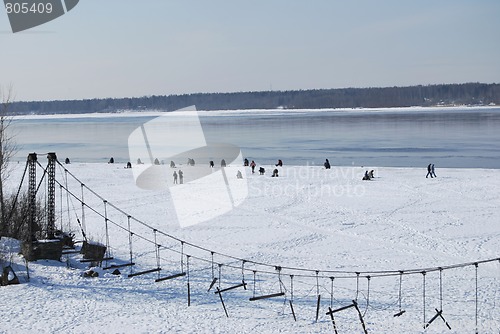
(252, 164)
(432, 171)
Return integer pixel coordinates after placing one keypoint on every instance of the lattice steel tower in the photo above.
(51, 195)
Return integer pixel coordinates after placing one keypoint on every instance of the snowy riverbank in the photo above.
(308, 218)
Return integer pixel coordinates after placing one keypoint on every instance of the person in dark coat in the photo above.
(280, 163)
(327, 164)
(275, 172)
(252, 164)
(262, 170)
(432, 171)
(245, 162)
(223, 163)
(175, 177)
(366, 177)
(111, 160)
(67, 162)
(181, 177)
(172, 164)
(429, 171)
(211, 164)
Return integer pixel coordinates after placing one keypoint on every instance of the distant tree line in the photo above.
(430, 95)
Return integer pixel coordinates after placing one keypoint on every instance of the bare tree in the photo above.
(7, 149)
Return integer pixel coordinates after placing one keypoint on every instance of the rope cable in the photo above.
(476, 301)
(400, 290)
(331, 291)
(213, 276)
(220, 274)
(423, 294)
(317, 282)
(347, 274)
(67, 198)
(61, 208)
(187, 267)
(83, 207)
(108, 251)
(441, 289)
(182, 256)
(367, 295)
(18, 192)
(254, 281)
(357, 285)
(279, 278)
(130, 234)
(243, 271)
(157, 250)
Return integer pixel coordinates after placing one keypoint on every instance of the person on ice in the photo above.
(223, 163)
(238, 175)
(181, 177)
(175, 177)
(429, 171)
(245, 162)
(211, 164)
(371, 174)
(280, 163)
(252, 164)
(262, 170)
(432, 171)
(275, 173)
(327, 164)
(366, 177)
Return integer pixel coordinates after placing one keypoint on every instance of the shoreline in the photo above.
(122, 164)
(235, 112)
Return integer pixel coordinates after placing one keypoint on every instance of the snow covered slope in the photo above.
(327, 223)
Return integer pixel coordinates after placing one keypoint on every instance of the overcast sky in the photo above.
(129, 48)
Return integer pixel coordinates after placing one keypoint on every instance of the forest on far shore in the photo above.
(474, 94)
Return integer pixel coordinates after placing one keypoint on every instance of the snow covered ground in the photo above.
(307, 218)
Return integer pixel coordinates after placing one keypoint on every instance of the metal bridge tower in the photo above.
(32, 159)
(51, 195)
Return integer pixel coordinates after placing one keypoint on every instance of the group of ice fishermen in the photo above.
(179, 176)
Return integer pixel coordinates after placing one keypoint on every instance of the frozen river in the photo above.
(447, 137)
